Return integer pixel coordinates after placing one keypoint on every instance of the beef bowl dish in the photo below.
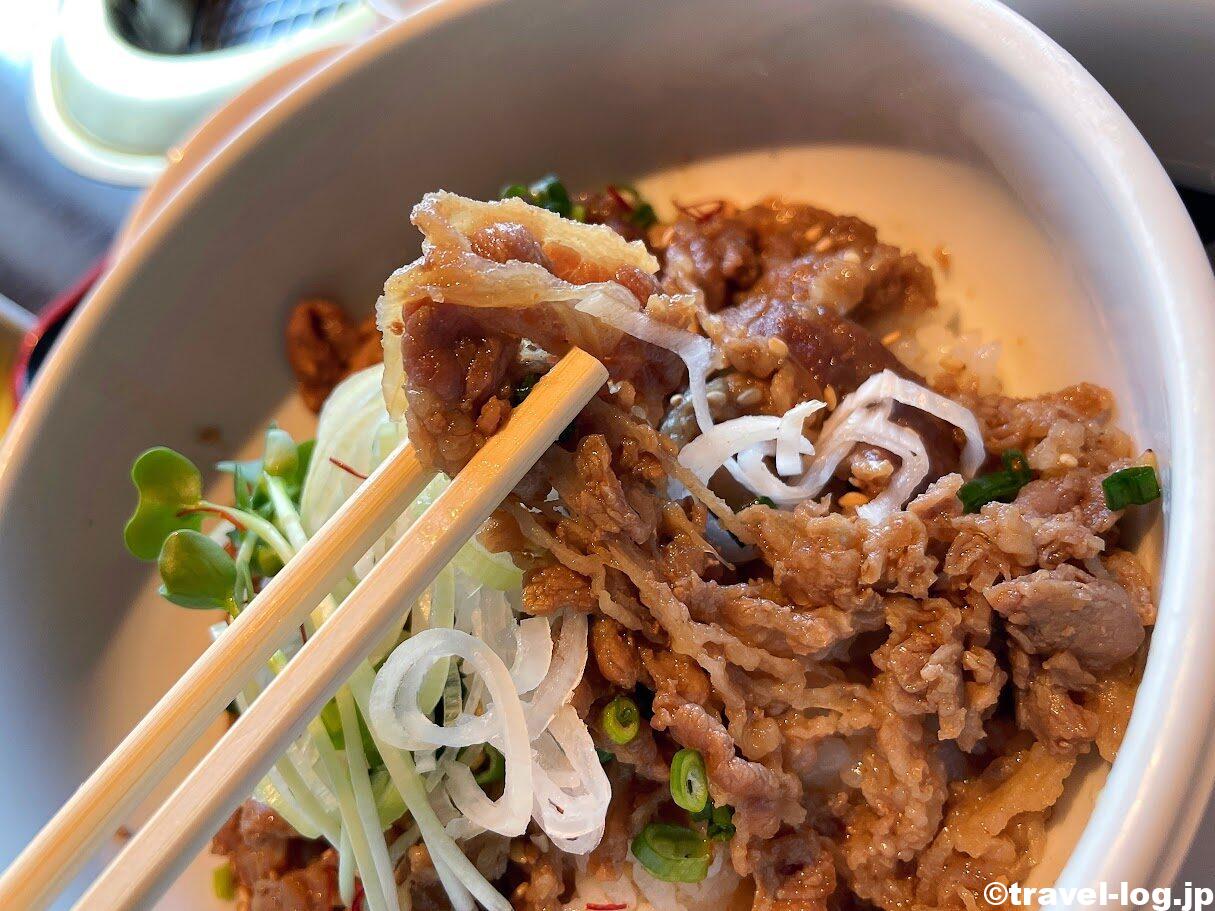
(869, 578)
(800, 612)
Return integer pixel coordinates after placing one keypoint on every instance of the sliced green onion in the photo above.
(1133, 486)
(765, 501)
(224, 883)
(523, 388)
(604, 756)
(547, 193)
(999, 486)
(674, 854)
(388, 801)
(621, 720)
(690, 780)
(495, 768)
(644, 215)
(721, 824)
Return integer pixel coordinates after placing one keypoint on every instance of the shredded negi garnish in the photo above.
(633, 690)
(494, 771)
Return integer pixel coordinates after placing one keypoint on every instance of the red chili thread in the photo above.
(615, 193)
(349, 469)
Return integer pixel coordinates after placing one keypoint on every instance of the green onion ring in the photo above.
(674, 854)
(621, 720)
(690, 780)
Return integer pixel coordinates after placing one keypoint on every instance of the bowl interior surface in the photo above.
(919, 118)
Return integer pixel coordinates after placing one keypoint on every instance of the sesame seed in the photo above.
(676, 400)
(850, 256)
(749, 396)
(777, 347)
(1067, 460)
(951, 363)
(891, 337)
(716, 398)
(813, 233)
(824, 245)
(853, 499)
(831, 398)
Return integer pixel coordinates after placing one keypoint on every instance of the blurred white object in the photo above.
(1157, 59)
(113, 111)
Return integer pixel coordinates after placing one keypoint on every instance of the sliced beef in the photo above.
(1047, 708)
(1069, 610)
(279, 870)
(936, 662)
(832, 351)
(778, 250)
(553, 588)
(324, 346)
(544, 877)
(763, 798)
(458, 385)
(616, 654)
(794, 872)
(717, 256)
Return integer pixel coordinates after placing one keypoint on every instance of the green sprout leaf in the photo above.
(249, 492)
(168, 484)
(197, 572)
(303, 458)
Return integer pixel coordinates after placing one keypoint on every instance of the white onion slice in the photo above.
(572, 790)
(533, 654)
(750, 470)
(564, 674)
(552, 769)
(874, 427)
(396, 718)
(889, 386)
(789, 437)
(696, 351)
(709, 451)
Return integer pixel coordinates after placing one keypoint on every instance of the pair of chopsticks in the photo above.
(160, 850)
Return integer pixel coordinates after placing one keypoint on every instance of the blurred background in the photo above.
(99, 97)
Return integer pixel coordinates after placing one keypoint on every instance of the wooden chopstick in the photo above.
(162, 848)
(162, 737)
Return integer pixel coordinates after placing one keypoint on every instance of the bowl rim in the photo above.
(1162, 755)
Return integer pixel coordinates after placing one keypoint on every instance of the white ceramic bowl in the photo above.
(185, 331)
